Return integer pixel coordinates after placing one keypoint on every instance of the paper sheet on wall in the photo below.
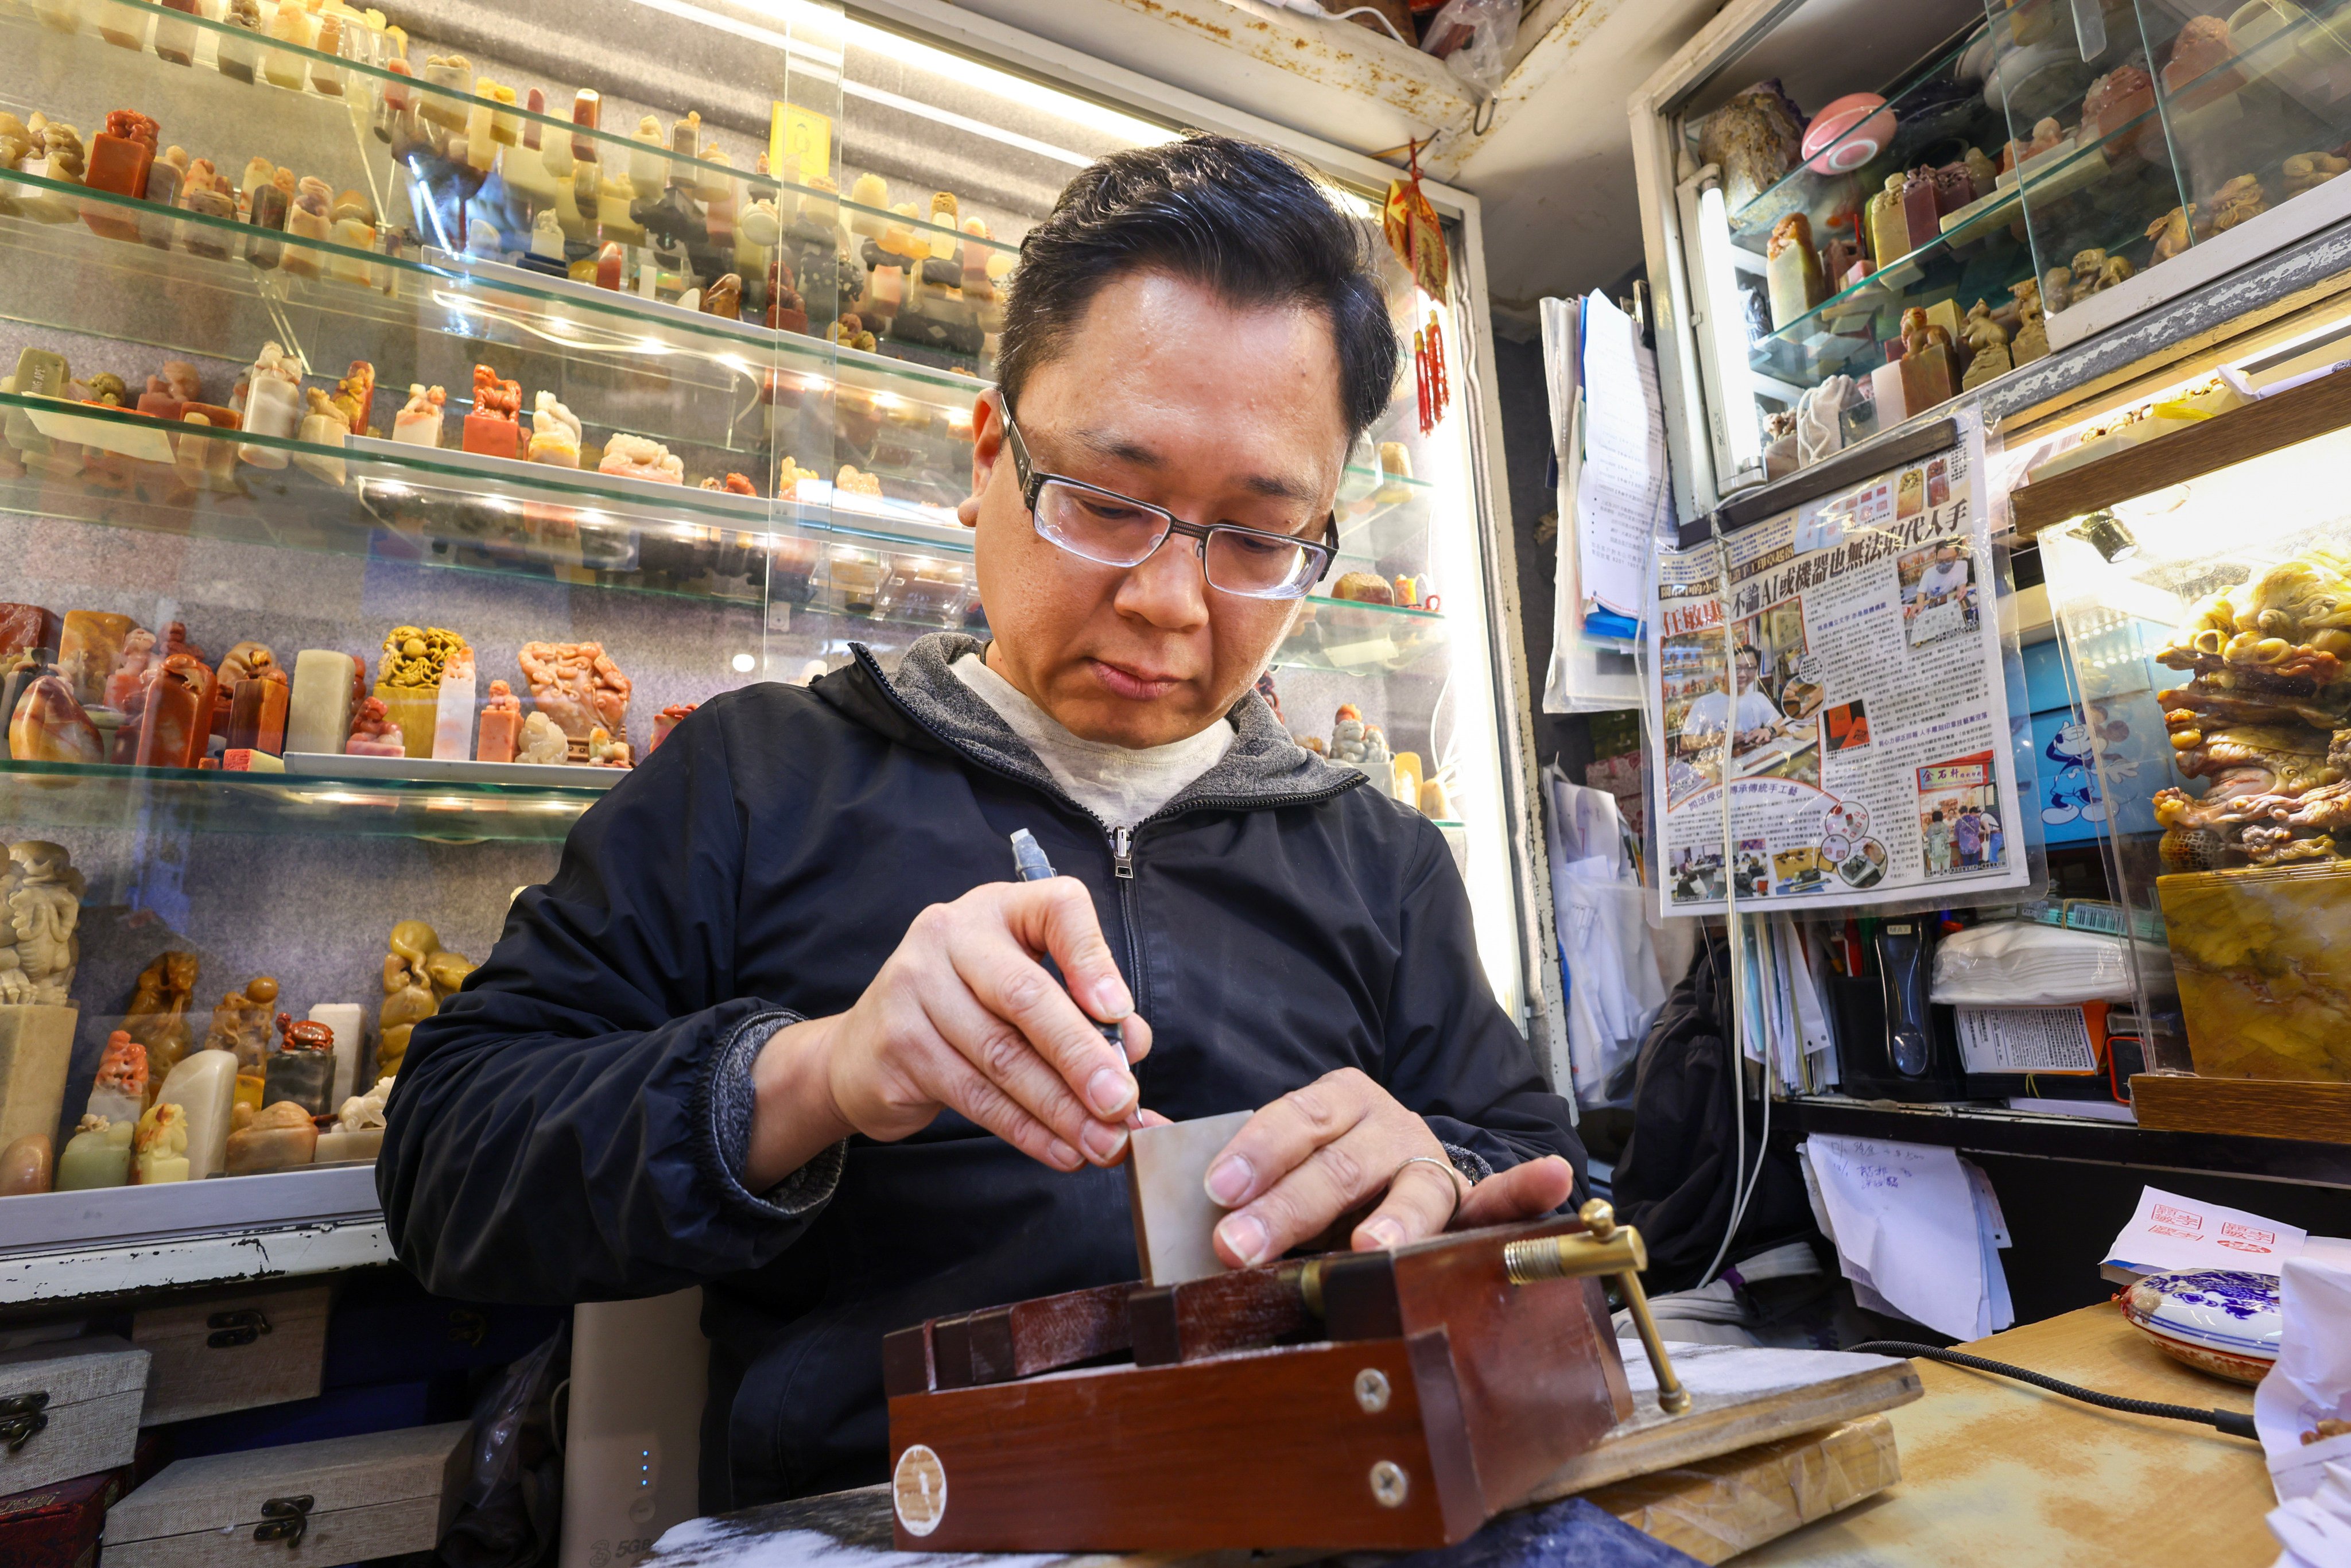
(1621, 485)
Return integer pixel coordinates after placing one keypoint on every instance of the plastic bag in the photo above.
(511, 1511)
(1473, 38)
(2023, 964)
(1616, 969)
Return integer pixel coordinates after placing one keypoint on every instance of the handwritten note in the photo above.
(1907, 1229)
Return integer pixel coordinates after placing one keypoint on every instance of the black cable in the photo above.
(2227, 1421)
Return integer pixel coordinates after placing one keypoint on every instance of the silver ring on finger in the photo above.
(1456, 1181)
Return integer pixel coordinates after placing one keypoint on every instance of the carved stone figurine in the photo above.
(118, 1092)
(45, 905)
(2308, 170)
(2234, 203)
(160, 1144)
(2171, 231)
(418, 976)
(49, 725)
(1987, 343)
(302, 1069)
(279, 1136)
(580, 688)
(2057, 289)
(501, 725)
(157, 1015)
(2031, 341)
(373, 734)
(14, 989)
(130, 664)
(241, 1023)
(542, 742)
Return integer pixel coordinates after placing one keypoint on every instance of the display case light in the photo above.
(2109, 536)
(1727, 326)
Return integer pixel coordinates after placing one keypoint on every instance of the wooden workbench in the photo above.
(1994, 1471)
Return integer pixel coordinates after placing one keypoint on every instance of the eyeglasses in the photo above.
(1111, 529)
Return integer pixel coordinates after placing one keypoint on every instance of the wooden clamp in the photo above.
(1387, 1400)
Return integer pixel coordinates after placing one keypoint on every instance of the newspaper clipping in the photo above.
(1836, 669)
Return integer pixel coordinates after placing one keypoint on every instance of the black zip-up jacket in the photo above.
(571, 1126)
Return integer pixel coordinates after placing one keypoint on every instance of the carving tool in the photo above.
(1029, 864)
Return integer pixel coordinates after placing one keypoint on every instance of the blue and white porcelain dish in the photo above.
(2222, 1321)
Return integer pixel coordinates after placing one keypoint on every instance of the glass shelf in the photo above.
(1348, 637)
(375, 76)
(1382, 516)
(396, 502)
(624, 329)
(60, 795)
(1811, 347)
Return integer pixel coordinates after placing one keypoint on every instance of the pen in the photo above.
(1029, 864)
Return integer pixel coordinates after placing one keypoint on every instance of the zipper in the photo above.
(1122, 856)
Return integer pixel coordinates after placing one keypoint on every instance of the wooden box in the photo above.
(233, 1350)
(340, 1500)
(57, 1526)
(69, 1407)
(1369, 1401)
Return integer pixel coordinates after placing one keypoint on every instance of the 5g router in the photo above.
(632, 1431)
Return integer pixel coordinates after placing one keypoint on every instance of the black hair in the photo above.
(1242, 219)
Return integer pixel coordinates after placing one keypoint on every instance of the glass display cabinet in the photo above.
(1827, 195)
(1853, 215)
(2161, 149)
(404, 425)
(2202, 597)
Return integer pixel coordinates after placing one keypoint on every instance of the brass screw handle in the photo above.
(1608, 1248)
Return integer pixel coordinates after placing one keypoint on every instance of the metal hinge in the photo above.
(231, 1329)
(21, 1416)
(285, 1518)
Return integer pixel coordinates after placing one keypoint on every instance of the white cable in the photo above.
(1312, 9)
(1738, 1114)
(1378, 16)
(1743, 1184)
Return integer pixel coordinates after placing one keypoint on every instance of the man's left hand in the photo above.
(1322, 1151)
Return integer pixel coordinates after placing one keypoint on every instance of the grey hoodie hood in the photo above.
(1262, 767)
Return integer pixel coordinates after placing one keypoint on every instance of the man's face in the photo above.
(1168, 396)
(1749, 666)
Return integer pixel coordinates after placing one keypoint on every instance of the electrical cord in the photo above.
(1373, 12)
(2227, 1421)
(1742, 1184)
(1314, 8)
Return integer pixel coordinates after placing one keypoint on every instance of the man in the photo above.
(1758, 719)
(1968, 831)
(1949, 575)
(779, 1025)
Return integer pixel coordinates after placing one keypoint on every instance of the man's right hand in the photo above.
(962, 1018)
